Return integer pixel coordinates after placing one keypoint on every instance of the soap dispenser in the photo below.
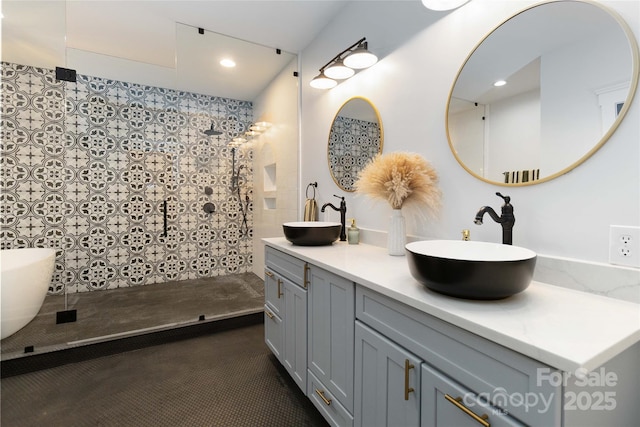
(353, 233)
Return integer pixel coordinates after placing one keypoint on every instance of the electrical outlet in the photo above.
(624, 245)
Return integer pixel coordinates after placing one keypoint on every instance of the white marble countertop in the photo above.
(562, 328)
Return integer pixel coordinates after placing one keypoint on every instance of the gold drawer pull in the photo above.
(324, 399)
(268, 273)
(407, 389)
(279, 288)
(306, 275)
(482, 419)
(269, 314)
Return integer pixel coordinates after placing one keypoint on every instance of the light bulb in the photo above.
(323, 82)
(360, 58)
(337, 70)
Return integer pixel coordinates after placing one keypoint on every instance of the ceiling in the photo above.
(155, 35)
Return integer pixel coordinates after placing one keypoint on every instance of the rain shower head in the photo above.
(212, 132)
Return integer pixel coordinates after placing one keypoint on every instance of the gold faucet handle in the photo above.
(466, 235)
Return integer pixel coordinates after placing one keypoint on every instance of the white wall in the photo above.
(568, 94)
(421, 54)
(467, 130)
(513, 135)
(276, 148)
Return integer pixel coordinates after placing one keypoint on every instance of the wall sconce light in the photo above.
(443, 4)
(343, 65)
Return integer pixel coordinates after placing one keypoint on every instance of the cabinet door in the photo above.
(273, 292)
(295, 333)
(331, 326)
(387, 382)
(273, 332)
(447, 403)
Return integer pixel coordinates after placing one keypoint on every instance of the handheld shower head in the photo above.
(212, 132)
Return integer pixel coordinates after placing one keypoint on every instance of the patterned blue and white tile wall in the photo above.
(86, 167)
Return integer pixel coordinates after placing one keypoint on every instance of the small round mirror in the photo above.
(542, 92)
(355, 138)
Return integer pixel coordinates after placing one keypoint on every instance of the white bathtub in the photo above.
(26, 274)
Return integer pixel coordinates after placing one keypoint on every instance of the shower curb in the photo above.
(39, 361)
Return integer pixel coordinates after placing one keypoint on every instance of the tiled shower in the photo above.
(88, 167)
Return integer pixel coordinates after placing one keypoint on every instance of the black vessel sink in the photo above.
(473, 270)
(311, 233)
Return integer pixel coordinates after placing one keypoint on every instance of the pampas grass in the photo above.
(405, 180)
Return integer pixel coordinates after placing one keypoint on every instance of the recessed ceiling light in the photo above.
(229, 63)
(500, 83)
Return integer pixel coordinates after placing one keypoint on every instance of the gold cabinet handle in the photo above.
(306, 275)
(269, 314)
(268, 273)
(324, 399)
(407, 389)
(482, 419)
(279, 288)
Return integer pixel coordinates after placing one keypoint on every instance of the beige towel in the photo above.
(310, 210)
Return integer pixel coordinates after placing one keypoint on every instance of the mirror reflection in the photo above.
(356, 136)
(542, 92)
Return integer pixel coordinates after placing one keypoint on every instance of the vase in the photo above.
(396, 239)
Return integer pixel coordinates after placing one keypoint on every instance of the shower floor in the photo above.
(104, 315)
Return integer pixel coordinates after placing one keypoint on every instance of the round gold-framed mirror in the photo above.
(356, 136)
(571, 72)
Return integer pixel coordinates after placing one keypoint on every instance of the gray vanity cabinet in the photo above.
(394, 388)
(286, 313)
(309, 326)
(457, 363)
(367, 358)
(387, 382)
(330, 344)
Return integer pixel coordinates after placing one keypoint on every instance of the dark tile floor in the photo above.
(227, 378)
(224, 379)
(128, 311)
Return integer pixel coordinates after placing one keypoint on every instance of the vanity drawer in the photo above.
(446, 403)
(480, 365)
(290, 267)
(326, 403)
